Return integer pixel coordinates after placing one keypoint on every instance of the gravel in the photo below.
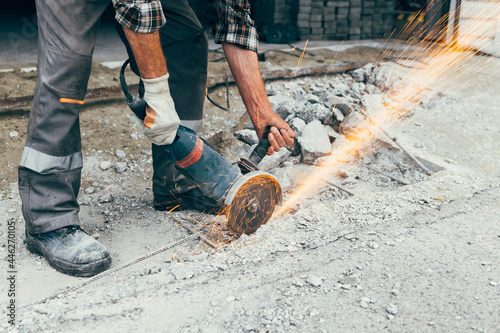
(105, 165)
(314, 280)
(392, 309)
(121, 167)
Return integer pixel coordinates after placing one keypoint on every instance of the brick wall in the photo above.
(345, 19)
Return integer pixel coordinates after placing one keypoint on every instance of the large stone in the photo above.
(353, 126)
(384, 76)
(314, 142)
(105, 165)
(283, 177)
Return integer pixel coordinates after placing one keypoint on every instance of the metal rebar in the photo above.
(117, 268)
(387, 175)
(395, 141)
(334, 185)
(192, 231)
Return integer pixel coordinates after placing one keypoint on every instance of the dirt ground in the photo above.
(418, 258)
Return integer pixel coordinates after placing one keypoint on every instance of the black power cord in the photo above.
(227, 97)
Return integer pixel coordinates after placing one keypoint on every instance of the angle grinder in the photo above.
(249, 196)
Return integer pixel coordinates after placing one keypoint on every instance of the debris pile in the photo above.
(325, 112)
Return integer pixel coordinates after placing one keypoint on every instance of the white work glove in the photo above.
(161, 122)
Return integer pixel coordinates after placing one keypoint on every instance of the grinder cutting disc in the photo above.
(251, 201)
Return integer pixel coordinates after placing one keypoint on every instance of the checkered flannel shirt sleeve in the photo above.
(142, 16)
(234, 24)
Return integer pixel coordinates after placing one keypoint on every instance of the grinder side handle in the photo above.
(260, 151)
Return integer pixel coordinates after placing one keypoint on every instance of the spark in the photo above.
(170, 211)
(301, 58)
(335, 57)
(405, 88)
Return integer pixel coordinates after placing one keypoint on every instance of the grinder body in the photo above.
(213, 174)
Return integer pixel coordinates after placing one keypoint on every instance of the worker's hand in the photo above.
(161, 122)
(281, 134)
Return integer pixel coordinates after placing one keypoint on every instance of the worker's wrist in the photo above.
(156, 86)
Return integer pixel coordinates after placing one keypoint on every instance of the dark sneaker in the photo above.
(71, 251)
(193, 199)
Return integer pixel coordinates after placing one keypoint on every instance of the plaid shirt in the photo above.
(234, 24)
(143, 16)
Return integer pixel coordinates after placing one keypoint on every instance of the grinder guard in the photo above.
(250, 202)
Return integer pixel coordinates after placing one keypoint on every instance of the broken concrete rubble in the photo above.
(361, 74)
(314, 142)
(228, 146)
(309, 112)
(297, 126)
(339, 104)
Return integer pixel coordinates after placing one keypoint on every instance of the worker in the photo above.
(50, 167)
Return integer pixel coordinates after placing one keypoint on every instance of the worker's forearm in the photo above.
(148, 53)
(245, 69)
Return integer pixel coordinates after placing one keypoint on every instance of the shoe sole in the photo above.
(80, 270)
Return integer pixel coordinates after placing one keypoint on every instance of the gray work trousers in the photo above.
(50, 167)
